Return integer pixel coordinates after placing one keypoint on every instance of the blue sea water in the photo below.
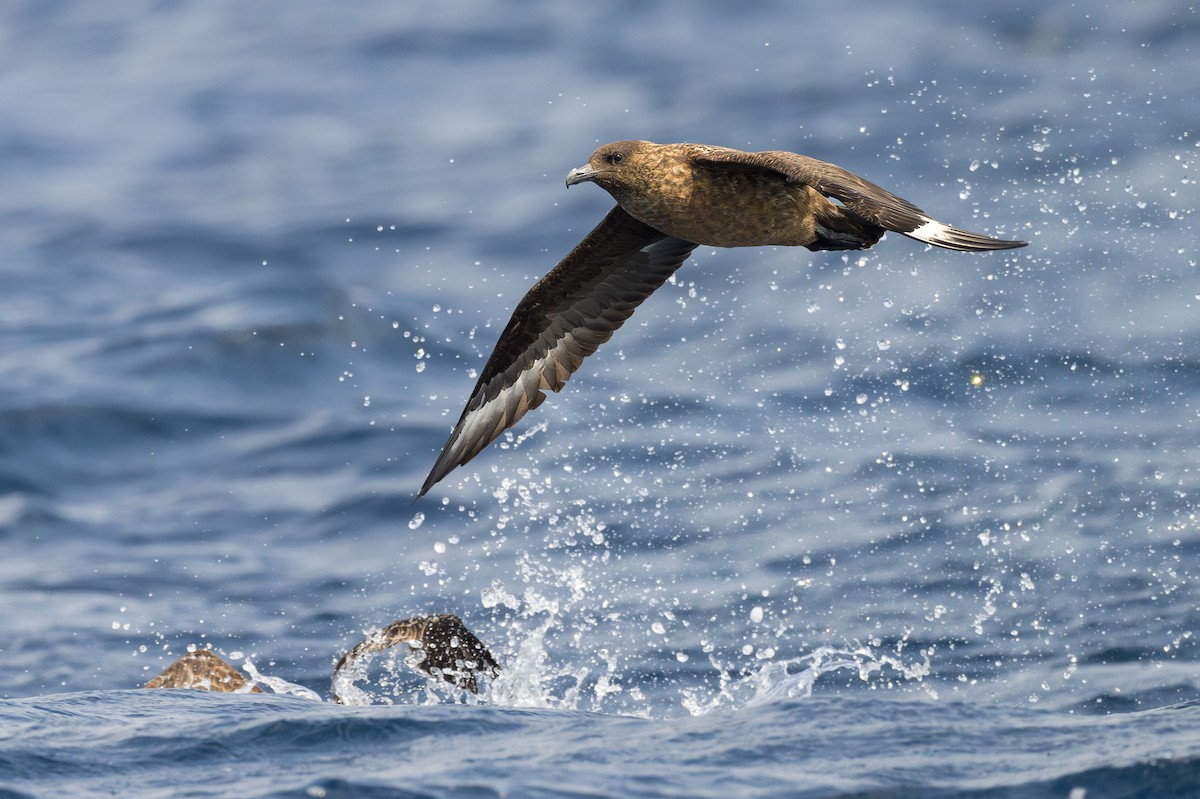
(894, 523)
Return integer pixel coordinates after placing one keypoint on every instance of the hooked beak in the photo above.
(580, 175)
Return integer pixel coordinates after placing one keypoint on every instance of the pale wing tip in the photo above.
(477, 428)
(484, 420)
(446, 463)
(465, 440)
(429, 483)
(952, 238)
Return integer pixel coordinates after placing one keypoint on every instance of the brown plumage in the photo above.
(203, 671)
(670, 199)
(450, 650)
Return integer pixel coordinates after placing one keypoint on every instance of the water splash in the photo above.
(795, 678)
(278, 684)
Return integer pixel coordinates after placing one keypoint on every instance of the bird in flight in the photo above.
(671, 198)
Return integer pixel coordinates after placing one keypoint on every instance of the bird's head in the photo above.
(614, 166)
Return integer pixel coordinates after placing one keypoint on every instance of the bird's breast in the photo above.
(727, 209)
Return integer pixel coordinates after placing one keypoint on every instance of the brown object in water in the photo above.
(203, 671)
(451, 651)
(671, 198)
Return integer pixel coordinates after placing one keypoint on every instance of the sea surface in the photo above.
(894, 523)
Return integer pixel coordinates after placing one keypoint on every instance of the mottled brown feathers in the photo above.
(449, 650)
(203, 670)
(670, 199)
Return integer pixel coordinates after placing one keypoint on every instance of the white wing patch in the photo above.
(934, 232)
(931, 231)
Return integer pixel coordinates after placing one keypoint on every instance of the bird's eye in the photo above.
(616, 158)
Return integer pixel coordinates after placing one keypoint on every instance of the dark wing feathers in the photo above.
(575, 308)
(860, 196)
(563, 319)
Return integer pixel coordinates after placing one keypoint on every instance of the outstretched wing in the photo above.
(861, 197)
(450, 651)
(563, 319)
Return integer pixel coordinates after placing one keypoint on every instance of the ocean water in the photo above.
(894, 523)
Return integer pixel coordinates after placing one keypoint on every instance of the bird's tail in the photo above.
(838, 228)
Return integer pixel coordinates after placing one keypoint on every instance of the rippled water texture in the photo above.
(892, 523)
